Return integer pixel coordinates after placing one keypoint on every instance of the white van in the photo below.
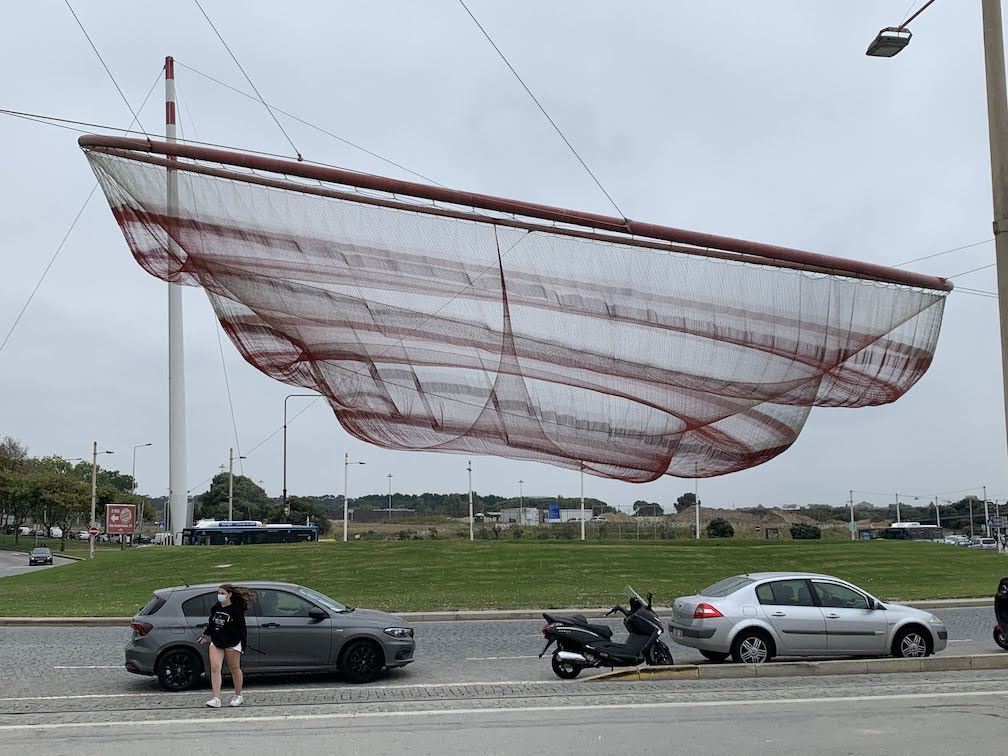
(55, 532)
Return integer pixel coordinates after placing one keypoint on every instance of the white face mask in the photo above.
(222, 597)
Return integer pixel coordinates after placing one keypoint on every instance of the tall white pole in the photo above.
(471, 534)
(94, 496)
(177, 492)
(696, 495)
(346, 478)
(987, 529)
(852, 526)
(231, 484)
(521, 502)
(997, 123)
(582, 503)
(898, 518)
(937, 512)
(389, 476)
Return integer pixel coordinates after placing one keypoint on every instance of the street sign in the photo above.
(120, 518)
(554, 513)
(1000, 522)
(93, 531)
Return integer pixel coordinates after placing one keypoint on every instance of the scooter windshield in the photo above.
(632, 594)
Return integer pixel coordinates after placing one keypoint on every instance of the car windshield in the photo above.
(726, 587)
(41, 552)
(321, 598)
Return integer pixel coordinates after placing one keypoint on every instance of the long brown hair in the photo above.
(240, 596)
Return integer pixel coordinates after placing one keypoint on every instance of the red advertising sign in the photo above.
(120, 518)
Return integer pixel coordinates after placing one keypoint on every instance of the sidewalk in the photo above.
(457, 615)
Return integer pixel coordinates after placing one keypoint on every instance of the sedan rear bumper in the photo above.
(681, 631)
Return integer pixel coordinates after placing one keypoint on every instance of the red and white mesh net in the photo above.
(442, 328)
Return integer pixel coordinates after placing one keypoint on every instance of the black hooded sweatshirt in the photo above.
(226, 626)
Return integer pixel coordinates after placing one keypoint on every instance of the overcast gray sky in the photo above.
(762, 120)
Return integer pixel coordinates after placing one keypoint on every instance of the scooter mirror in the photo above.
(649, 599)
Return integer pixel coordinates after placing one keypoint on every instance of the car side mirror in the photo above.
(317, 614)
(877, 605)
(649, 599)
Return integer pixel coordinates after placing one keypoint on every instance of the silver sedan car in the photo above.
(758, 616)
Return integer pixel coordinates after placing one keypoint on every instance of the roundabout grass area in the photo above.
(435, 575)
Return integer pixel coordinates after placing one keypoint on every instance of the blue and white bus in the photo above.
(246, 532)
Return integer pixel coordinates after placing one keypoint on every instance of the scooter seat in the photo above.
(579, 619)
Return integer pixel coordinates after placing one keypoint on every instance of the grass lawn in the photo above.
(432, 575)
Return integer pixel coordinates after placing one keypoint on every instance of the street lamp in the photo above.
(521, 503)
(231, 459)
(136, 522)
(346, 494)
(285, 510)
(997, 126)
(469, 469)
(94, 494)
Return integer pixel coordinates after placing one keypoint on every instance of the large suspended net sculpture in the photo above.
(439, 320)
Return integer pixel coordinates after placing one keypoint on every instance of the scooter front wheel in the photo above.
(564, 669)
(999, 638)
(660, 655)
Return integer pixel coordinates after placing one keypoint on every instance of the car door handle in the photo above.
(832, 616)
(271, 624)
(201, 625)
(778, 614)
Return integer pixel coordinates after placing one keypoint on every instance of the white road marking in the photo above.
(962, 640)
(497, 658)
(93, 666)
(517, 709)
(161, 693)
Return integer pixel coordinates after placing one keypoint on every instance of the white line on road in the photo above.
(510, 710)
(497, 658)
(962, 640)
(161, 693)
(93, 666)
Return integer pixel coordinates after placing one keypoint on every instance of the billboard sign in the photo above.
(120, 518)
(554, 513)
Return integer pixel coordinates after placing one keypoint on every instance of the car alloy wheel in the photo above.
(179, 669)
(751, 648)
(912, 645)
(362, 662)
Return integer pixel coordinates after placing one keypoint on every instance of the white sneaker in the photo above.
(213, 703)
(236, 701)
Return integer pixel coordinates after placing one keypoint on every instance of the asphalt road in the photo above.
(16, 563)
(477, 686)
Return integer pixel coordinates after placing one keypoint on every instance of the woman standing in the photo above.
(227, 636)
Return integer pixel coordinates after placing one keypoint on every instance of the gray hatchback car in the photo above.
(290, 629)
(757, 616)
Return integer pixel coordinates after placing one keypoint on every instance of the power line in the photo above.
(268, 108)
(967, 272)
(945, 252)
(70, 229)
(136, 118)
(539, 104)
(312, 125)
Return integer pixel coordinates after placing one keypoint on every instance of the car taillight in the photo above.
(706, 611)
(141, 628)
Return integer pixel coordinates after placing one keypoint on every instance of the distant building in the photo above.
(520, 516)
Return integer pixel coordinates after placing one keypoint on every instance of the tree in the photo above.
(250, 500)
(720, 528)
(302, 508)
(13, 464)
(60, 501)
(685, 501)
(647, 509)
(802, 531)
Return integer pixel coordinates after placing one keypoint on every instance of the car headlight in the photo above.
(936, 621)
(399, 632)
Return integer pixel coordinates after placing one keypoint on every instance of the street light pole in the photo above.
(136, 522)
(469, 469)
(997, 126)
(937, 512)
(346, 492)
(94, 494)
(389, 476)
(521, 502)
(582, 503)
(285, 510)
(231, 459)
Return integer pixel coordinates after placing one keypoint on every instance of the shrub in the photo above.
(804, 532)
(720, 528)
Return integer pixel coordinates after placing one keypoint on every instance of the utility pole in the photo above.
(389, 476)
(582, 503)
(898, 518)
(853, 527)
(986, 514)
(937, 512)
(521, 503)
(469, 470)
(696, 495)
(971, 514)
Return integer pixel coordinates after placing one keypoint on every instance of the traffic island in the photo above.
(807, 668)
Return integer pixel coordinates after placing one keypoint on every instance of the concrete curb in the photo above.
(807, 669)
(455, 615)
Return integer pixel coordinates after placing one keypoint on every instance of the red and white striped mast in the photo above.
(178, 500)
